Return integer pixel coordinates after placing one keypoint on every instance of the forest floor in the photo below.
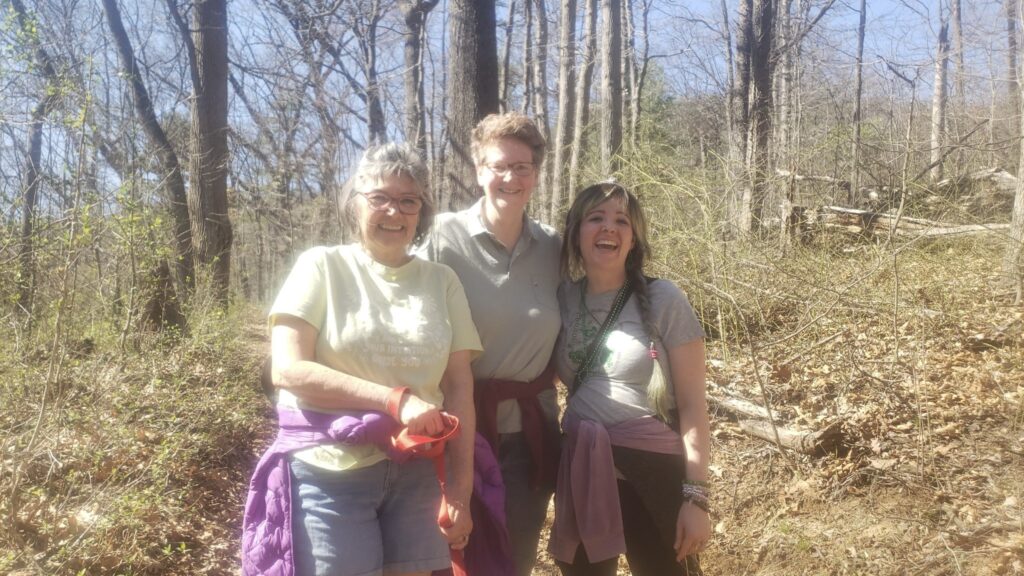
(137, 463)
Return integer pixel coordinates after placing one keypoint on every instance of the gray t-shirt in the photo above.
(616, 388)
(512, 296)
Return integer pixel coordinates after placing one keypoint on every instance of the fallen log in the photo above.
(738, 406)
(884, 222)
(813, 443)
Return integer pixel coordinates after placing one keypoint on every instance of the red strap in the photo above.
(432, 447)
(393, 403)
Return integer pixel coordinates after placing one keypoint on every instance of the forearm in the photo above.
(323, 387)
(458, 401)
(696, 436)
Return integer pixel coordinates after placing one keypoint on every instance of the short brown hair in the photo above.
(494, 127)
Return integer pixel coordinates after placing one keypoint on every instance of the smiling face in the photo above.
(387, 233)
(606, 236)
(510, 192)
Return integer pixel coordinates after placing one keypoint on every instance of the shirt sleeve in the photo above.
(677, 320)
(303, 294)
(464, 334)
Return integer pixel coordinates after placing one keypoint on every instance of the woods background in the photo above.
(819, 172)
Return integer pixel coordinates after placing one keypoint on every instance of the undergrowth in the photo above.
(133, 462)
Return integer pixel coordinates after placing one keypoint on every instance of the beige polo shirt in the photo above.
(512, 296)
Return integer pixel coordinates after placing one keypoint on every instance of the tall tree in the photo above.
(1012, 49)
(752, 105)
(173, 181)
(581, 107)
(506, 55)
(939, 98)
(48, 99)
(611, 85)
(566, 90)
(472, 90)
(540, 99)
(858, 90)
(1013, 260)
(415, 12)
(207, 47)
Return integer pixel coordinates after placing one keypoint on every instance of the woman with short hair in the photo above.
(359, 329)
(508, 263)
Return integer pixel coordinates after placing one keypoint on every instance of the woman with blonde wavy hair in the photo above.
(633, 475)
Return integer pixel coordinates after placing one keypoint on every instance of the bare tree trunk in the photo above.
(174, 182)
(939, 99)
(506, 54)
(30, 187)
(1012, 74)
(367, 38)
(960, 91)
(858, 91)
(628, 72)
(415, 14)
(740, 102)
(527, 66)
(730, 92)
(208, 197)
(540, 101)
(640, 76)
(611, 85)
(582, 106)
(472, 90)
(1013, 261)
(566, 90)
(756, 52)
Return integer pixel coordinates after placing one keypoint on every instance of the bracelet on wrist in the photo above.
(701, 503)
(393, 403)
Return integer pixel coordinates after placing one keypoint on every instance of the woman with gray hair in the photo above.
(358, 332)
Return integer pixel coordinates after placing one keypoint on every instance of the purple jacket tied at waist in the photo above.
(266, 525)
(587, 510)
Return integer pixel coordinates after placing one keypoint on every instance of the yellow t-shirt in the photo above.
(392, 326)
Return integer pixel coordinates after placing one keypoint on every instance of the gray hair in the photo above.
(388, 160)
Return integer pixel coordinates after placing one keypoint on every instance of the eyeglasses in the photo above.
(522, 169)
(379, 201)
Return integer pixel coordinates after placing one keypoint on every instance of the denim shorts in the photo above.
(364, 521)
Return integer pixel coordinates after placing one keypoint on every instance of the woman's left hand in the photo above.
(693, 530)
(462, 524)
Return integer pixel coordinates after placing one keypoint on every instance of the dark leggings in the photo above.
(649, 551)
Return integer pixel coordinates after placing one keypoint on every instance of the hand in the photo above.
(693, 530)
(422, 418)
(458, 532)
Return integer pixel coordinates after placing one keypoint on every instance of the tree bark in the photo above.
(611, 85)
(208, 198)
(540, 102)
(739, 100)
(472, 90)
(1012, 73)
(174, 182)
(939, 98)
(527, 66)
(415, 14)
(33, 159)
(1013, 261)
(858, 90)
(566, 90)
(506, 55)
(582, 105)
(760, 110)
